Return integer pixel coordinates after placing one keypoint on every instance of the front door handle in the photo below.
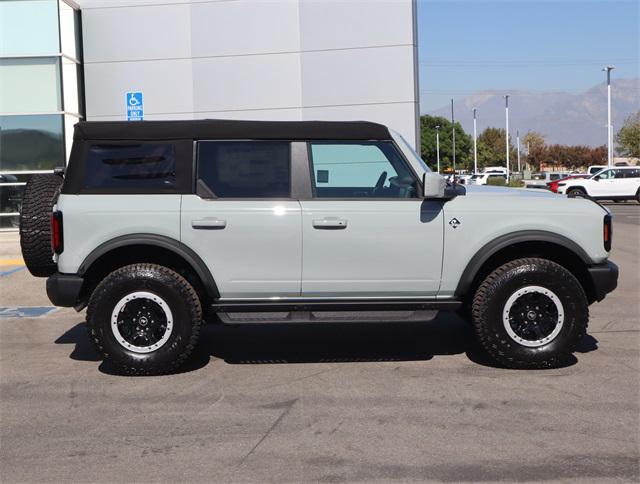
(330, 223)
(208, 224)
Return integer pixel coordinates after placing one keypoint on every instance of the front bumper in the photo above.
(604, 278)
(64, 289)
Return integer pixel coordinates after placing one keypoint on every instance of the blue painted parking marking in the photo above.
(9, 272)
(26, 312)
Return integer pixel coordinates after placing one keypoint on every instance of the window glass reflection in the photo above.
(28, 27)
(31, 142)
(30, 85)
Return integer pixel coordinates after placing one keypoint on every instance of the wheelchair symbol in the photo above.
(133, 100)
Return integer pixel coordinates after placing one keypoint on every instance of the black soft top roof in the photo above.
(230, 129)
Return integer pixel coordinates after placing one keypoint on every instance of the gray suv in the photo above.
(157, 226)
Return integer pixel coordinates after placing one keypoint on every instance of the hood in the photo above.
(480, 190)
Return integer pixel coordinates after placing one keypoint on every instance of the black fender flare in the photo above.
(499, 243)
(178, 248)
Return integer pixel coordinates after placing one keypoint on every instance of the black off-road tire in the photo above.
(489, 304)
(40, 195)
(180, 297)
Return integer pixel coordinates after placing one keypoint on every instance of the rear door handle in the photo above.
(209, 224)
(330, 223)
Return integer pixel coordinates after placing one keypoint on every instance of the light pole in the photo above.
(438, 146)
(518, 144)
(453, 134)
(506, 115)
(475, 142)
(608, 70)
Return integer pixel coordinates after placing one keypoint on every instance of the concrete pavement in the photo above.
(329, 403)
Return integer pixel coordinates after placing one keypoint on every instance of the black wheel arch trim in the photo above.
(164, 242)
(504, 241)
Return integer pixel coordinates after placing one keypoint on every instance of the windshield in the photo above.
(407, 149)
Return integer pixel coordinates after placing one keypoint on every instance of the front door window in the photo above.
(367, 169)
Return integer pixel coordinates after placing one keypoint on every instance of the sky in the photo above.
(465, 46)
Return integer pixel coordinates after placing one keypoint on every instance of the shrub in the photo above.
(501, 182)
(497, 181)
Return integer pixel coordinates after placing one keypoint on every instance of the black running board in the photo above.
(251, 305)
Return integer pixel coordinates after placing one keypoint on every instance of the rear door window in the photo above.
(633, 173)
(145, 167)
(244, 169)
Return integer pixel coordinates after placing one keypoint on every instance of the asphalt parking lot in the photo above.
(329, 403)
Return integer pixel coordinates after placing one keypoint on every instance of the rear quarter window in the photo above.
(144, 167)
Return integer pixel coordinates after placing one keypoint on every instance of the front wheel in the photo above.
(576, 192)
(530, 313)
(145, 319)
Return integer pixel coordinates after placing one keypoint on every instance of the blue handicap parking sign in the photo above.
(135, 106)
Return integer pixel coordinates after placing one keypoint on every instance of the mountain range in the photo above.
(563, 118)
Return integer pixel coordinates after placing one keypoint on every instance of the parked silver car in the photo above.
(542, 179)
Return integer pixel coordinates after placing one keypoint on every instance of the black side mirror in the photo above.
(596, 178)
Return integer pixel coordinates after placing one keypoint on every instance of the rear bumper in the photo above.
(604, 278)
(64, 289)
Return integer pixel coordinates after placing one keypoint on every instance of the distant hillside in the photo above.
(573, 119)
(28, 149)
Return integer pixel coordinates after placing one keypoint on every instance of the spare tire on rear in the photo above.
(40, 195)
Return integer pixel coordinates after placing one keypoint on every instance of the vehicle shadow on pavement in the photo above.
(336, 342)
(83, 350)
(259, 343)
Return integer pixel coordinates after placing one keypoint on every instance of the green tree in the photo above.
(628, 138)
(533, 142)
(491, 148)
(464, 143)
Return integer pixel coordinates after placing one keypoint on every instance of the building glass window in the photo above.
(29, 143)
(41, 93)
(29, 27)
(30, 85)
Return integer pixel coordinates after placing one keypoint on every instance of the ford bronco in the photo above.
(157, 226)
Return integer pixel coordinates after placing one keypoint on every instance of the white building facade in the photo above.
(253, 59)
(66, 60)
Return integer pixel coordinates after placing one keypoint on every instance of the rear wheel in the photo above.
(40, 195)
(145, 319)
(530, 313)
